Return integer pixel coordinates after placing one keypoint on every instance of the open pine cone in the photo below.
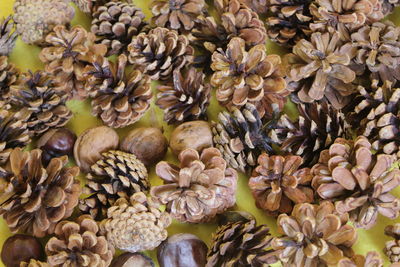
(89, 6)
(8, 37)
(199, 188)
(34, 197)
(392, 247)
(358, 181)
(34, 263)
(9, 75)
(258, 6)
(372, 259)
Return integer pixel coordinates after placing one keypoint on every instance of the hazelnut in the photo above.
(149, 145)
(182, 250)
(20, 248)
(192, 134)
(132, 260)
(234, 216)
(91, 143)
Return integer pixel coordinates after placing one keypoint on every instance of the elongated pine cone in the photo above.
(9, 75)
(160, 52)
(35, 198)
(116, 175)
(241, 244)
(313, 235)
(392, 246)
(8, 37)
(79, 243)
(135, 225)
(372, 259)
(199, 188)
(186, 99)
(357, 181)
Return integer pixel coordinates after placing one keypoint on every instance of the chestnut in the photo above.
(132, 260)
(19, 248)
(56, 143)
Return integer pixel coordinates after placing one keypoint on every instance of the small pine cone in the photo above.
(89, 6)
(135, 225)
(392, 247)
(116, 175)
(241, 244)
(278, 184)
(66, 55)
(313, 235)
(241, 137)
(199, 188)
(160, 52)
(115, 23)
(37, 197)
(34, 263)
(187, 99)
(372, 259)
(78, 243)
(34, 19)
(258, 6)
(119, 97)
(8, 37)
(9, 75)
(357, 181)
(40, 102)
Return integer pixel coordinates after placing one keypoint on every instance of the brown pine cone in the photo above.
(135, 225)
(241, 244)
(67, 54)
(392, 247)
(8, 37)
(40, 102)
(116, 175)
(313, 235)
(358, 181)
(36, 197)
(119, 97)
(187, 99)
(89, 6)
(258, 6)
(372, 259)
(78, 243)
(9, 75)
(199, 188)
(34, 263)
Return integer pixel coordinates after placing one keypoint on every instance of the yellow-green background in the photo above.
(26, 58)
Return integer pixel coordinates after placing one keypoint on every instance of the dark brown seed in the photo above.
(19, 248)
(132, 260)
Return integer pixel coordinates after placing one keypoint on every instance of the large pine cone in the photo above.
(372, 259)
(8, 37)
(160, 52)
(199, 188)
(358, 181)
(8, 77)
(79, 244)
(241, 244)
(116, 175)
(135, 225)
(35, 198)
(392, 247)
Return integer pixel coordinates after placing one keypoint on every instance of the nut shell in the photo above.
(132, 260)
(20, 248)
(56, 143)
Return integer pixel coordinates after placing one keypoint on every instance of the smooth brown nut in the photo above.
(132, 260)
(149, 145)
(182, 250)
(91, 143)
(192, 134)
(20, 248)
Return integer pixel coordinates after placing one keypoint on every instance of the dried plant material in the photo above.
(34, 263)
(277, 183)
(34, 19)
(79, 243)
(116, 175)
(358, 181)
(199, 188)
(89, 6)
(8, 36)
(258, 6)
(186, 99)
(119, 97)
(34, 197)
(372, 259)
(135, 225)
(392, 247)
(9, 76)
(313, 235)
(160, 52)
(241, 244)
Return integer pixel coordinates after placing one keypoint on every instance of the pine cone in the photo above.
(68, 52)
(357, 181)
(116, 175)
(392, 247)
(115, 23)
(313, 235)
(89, 6)
(241, 244)
(316, 128)
(199, 188)
(36, 198)
(187, 99)
(8, 37)
(120, 98)
(34, 263)
(34, 19)
(372, 259)
(40, 103)
(258, 6)
(241, 137)
(136, 225)
(78, 244)
(9, 75)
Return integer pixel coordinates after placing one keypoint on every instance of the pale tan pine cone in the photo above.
(9, 76)
(392, 247)
(34, 263)
(371, 259)
(89, 6)
(8, 36)
(258, 6)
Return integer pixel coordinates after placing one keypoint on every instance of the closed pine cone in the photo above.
(358, 181)
(116, 175)
(199, 188)
(372, 259)
(9, 75)
(160, 52)
(392, 246)
(8, 37)
(135, 225)
(187, 99)
(79, 244)
(35, 197)
(241, 244)
(119, 97)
